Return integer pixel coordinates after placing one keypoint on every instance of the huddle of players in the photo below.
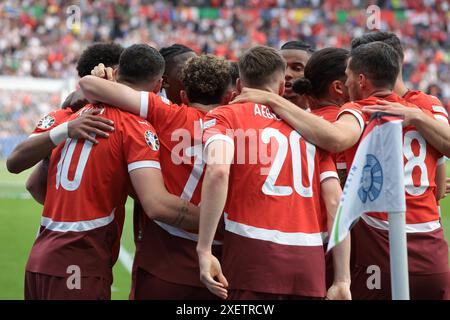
(267, 230)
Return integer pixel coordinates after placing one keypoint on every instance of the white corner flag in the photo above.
(375, 183)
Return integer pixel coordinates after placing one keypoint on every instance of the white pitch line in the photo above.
(126, 259)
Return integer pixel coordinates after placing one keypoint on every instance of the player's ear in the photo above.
(281, 88)
(362, 81)
(338, 87)
(238, 85)
(184, 97)
(157, 87)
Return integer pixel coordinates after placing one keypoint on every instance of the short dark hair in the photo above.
(206, 78)
(378, 61)
(297, 45)
(139, 63)
(386, 37)
(258, 65)
(106, 53)
(324, 67)
(234, 72)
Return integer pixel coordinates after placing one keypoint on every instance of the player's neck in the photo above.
(203, 107)
(400, 87)
(379, 92)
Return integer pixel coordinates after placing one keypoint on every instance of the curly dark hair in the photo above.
(206, 78)
(106, 53)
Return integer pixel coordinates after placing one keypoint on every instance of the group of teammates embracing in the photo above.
(212, 217)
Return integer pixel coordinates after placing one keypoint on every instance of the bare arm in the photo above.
(159, 204)
(36, 148)
(113, 93)
(37, 182)
(214, 195)
(333, 137)
(440, 181)
(435, 132)
(331, 193)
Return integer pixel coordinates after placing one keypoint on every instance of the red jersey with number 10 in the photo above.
(87, 188)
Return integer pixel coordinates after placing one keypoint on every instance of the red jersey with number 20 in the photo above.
(274, 231)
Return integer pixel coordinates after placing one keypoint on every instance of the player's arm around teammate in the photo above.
(38, 147)
(435, 132)
(334, 137)
(101, 87)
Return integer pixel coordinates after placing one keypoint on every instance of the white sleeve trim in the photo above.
(143, 112)
(441, 118)
(440, 109)
(441, 161)
(144, 164)
(216, 137)
(36, 134)
(328, 174)
(357, 116)
(341, 165)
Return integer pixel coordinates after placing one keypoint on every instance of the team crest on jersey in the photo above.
(152, 140)
(371, 180)
(46, 122)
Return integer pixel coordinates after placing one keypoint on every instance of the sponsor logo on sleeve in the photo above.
(46, 122)
(152, 140)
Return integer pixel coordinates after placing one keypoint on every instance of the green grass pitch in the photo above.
(19, 222)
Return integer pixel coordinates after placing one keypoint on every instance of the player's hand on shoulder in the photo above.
(89, 125)
(211, 275)
(101, 71)
(339, 291)
(252, 95)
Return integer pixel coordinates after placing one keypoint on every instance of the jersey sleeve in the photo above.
(140, 144)
(327, 167)
(439, 112)
(355, 110)
(217, 125)
(156, 109)
(340, 161)
(51, 120)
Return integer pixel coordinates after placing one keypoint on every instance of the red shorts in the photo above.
(421, 286)
(40, 286)
(235, 294)
(148, 287)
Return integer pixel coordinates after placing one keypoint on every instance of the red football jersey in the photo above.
(273, 225)
(330, 113)
(422, 215)
(51, 120)
(87, 188)
(163, 250)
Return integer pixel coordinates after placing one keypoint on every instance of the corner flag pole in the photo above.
(399, 256)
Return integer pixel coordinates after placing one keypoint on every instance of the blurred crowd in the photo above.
(44, 38)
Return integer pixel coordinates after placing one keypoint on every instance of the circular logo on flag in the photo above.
(371, 180)
(46, 122)
(152, 140)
